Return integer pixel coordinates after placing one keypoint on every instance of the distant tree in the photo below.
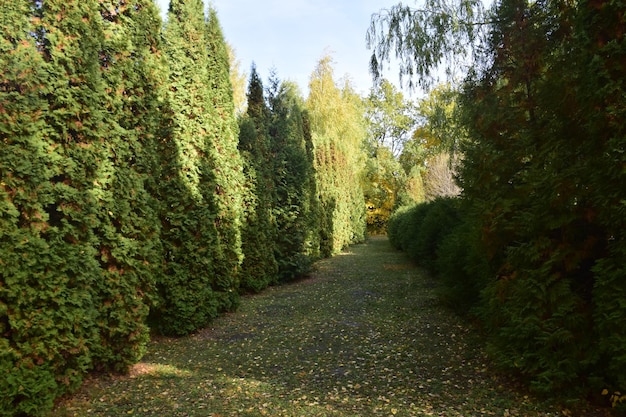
(238, 79)
(338, 131)
(294, 178)
(391, 118)
(439, 177)
(382, 186)
(259, 268)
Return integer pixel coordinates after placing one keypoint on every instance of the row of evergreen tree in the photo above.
(133, 199)
(535, 247)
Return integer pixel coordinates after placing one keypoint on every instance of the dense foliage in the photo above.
(260, 267)
(79, 231)
(338, 133)
(390, 123)
(201, 181)
(541, 180)
(543, 184)
(297, 205)
(129, 199)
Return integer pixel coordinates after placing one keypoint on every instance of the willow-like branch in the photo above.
(421, 40)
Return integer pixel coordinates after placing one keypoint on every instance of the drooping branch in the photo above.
(421, 40)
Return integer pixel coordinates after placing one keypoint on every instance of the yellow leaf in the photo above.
(605, 392)
(394, 411)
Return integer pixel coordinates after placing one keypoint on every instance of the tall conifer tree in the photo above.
(51, 125)
(294, 179)
(227, 163)
(259, 267)
(189, 294)
(129, 248)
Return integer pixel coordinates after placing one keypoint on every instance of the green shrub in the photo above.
(420, 229)
(440, 218)
(404, 225)
(462, 267)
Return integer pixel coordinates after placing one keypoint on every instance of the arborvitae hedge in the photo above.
(122, 189)
(542, 237)
(79, 242)
(199, 272)
(544, 174)
(259, 268)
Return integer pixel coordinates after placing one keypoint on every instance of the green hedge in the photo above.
(78, 231)
(419, 230)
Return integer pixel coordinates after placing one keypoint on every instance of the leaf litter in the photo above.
(364, 335)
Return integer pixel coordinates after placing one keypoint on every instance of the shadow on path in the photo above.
(363, 336)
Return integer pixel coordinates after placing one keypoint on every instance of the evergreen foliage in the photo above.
(48, 256)
(260, 267)
(441, 237)
(79, 240)
(226, 166)
(538, 212)
(129, 246)
(199, 185)
(296, 241)
(543, 180)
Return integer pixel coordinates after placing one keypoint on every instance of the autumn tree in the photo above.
(390, 119)
(383, 188)
(238, 79)
(338, 132)
(390, 116)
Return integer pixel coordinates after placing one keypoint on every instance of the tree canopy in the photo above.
(541, 174)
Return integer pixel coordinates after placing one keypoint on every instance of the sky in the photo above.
(291, 36)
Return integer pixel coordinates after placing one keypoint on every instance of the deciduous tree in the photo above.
(338, 131)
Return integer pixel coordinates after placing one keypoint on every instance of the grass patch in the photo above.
(363, 336)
